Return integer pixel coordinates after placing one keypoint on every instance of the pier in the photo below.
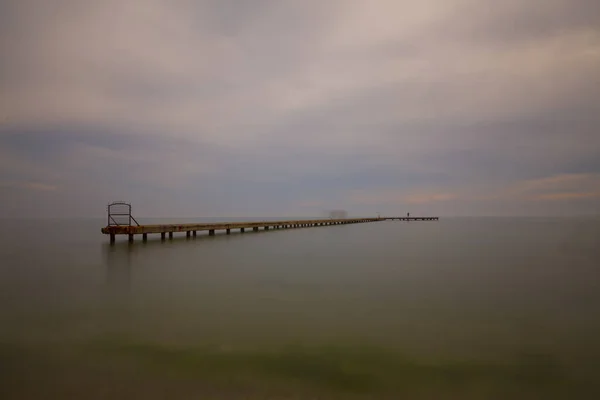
(121, 222)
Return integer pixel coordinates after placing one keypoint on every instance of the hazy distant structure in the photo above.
(338, 214)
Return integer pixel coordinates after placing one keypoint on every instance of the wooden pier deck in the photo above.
(192, 229)
(122, 224)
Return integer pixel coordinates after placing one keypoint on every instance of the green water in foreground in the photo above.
(113, 366)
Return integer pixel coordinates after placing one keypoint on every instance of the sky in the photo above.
(270, 108)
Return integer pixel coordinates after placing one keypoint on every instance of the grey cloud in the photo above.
(514, 22)
(221, 107)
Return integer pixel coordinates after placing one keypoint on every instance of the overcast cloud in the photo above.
(288, 108)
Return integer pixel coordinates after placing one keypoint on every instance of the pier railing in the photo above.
(119, 214)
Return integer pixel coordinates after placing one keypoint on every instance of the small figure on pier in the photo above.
(407, 215)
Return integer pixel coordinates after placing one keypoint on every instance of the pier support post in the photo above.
(187, 234)
(145, 237)
(211, 232)
(266, 228)
(255, 229)
(162, 236)
(130, 238)
(170, 235)
(194, 233)
(228, 231)
(112, 238)
(242, 230)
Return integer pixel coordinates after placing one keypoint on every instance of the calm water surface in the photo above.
(460, 308)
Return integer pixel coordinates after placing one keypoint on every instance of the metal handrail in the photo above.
(112, 221)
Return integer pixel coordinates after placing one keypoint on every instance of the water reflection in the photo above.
(117, 260)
